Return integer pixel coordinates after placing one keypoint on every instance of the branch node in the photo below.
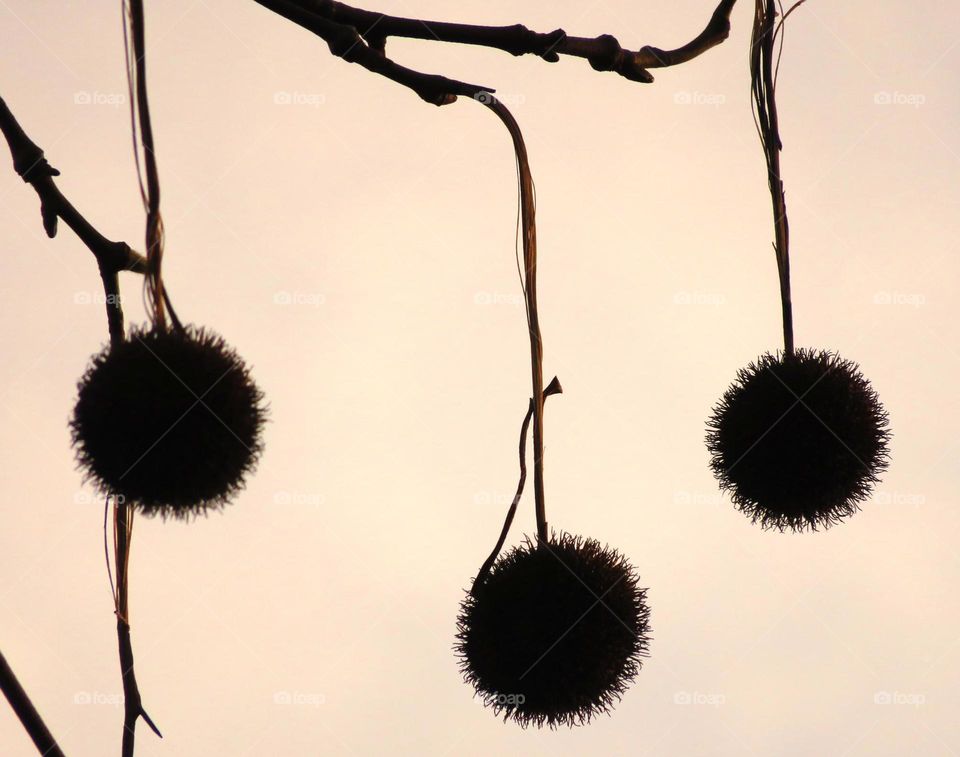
(607, 54)
(553, 40)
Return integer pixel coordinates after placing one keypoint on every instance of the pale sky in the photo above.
(356, 246)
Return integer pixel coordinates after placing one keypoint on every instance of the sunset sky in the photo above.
(357, 247)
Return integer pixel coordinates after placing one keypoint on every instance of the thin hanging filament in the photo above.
(764, 107)
(529, 228)
(133, 29)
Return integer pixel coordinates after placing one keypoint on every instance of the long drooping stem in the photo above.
(123, 510)
(763, 84)
(529, 232)
(151, 196)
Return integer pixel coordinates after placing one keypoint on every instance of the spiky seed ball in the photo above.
(799, 440)
(555, 633)
(171, 420)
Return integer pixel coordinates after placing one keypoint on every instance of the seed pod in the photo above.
(555, 633)
(798, 440)
(169, 420)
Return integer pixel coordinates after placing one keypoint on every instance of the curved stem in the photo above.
(529, 224)
(553, 388)
(154, 234)
(763, 85)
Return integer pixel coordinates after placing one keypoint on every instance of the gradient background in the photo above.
(357, 246)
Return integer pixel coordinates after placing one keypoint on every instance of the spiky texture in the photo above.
(169, 420)
(799, 440)
(555, 633)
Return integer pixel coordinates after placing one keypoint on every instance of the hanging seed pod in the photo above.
(555, 633)
(169, 419)
(798, 440)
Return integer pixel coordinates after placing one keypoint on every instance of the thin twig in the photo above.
(132, 702)
(529, 226)
(29, 717)
(154, 232)
(345, 42)
(359, 36)
(764, 100)
(552, 388)
(604, 53)
(112, 257)
(157, 296)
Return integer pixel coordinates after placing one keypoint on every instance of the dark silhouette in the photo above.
(556, 632)
(170, 420)
(799, 440)
(800, 437)
(101, 424)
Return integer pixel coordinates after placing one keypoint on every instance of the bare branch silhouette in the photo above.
(29, 717)
(604, 53)
(359, 36)
(112, 257)
(132, 702)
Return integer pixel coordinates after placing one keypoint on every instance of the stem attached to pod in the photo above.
(529, 227)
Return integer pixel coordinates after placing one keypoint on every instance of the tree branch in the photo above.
(29, 717)
(132, 702)
(112, 257)
(604, 53)
(346, 42)
(763, 81)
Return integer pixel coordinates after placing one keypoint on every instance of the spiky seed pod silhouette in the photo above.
(171, 420)
(799, 440)
(555, 633)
